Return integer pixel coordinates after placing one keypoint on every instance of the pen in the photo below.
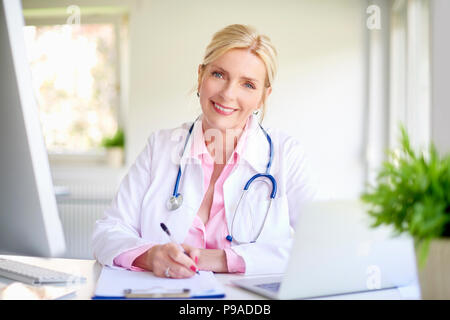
(166, 230)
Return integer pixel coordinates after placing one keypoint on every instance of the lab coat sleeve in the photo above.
(301, 187)
(264, 257)
(119, 229)
(272, 257)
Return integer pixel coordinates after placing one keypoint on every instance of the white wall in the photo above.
(318, 97)
(319, 93)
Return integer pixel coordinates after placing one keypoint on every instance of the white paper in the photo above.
(112, 283)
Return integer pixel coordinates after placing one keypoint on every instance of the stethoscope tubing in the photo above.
(269, 176)
(177, 182)
(244, 193)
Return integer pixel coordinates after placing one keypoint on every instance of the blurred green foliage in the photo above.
(118, 140)
(412, 193)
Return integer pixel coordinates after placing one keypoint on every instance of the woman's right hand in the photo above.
(160, 257)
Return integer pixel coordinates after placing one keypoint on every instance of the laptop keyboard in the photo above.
(274, 286)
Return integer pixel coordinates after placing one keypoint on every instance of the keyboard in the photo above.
(30, 274)
(273, 286)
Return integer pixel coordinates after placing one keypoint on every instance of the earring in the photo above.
(256, 112)
(198, 94)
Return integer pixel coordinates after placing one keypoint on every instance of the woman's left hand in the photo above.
(209, 259)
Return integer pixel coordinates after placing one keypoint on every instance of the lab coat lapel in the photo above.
(256, 152)
(191, 188)
(192, 177)
(192, 192)
(253, 160)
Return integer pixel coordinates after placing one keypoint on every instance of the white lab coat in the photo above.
(139, 206)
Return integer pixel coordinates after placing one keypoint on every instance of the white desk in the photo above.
(91, 269)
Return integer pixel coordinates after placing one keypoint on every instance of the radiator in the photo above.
(78, 210)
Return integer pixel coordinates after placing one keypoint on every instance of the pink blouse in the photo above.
(213, 234)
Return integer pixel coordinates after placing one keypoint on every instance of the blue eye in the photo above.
(249, 85)
(217, 74)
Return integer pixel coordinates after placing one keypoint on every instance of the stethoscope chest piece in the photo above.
(174, 202)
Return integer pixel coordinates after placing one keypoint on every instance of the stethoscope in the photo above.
(176, 200)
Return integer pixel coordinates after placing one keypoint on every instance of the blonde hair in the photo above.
(238, 36)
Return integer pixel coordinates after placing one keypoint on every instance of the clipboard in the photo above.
(156, 293)
(120, 283)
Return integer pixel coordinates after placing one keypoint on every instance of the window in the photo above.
(76, 72)
(398, 80)
(74, 77)
(410, 71)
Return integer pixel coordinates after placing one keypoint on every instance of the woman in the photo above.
(219, 152)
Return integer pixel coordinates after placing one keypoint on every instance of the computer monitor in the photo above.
(29, 220)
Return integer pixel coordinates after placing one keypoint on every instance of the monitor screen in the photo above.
(29, 220)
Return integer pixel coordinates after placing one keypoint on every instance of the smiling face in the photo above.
(231, 88)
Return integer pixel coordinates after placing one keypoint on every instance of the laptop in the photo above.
(335, 251)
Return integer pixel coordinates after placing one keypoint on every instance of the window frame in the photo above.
(410, 81)
(398, 80)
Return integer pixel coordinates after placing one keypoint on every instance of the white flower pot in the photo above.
(115, 157)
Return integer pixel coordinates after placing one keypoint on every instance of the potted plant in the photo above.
(412, 193)
(115, 148)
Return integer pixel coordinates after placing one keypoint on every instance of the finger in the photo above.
(175, 271)
(176, 254)
(159, 269)
(162, 261)
(178, 271)
(193, 253)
